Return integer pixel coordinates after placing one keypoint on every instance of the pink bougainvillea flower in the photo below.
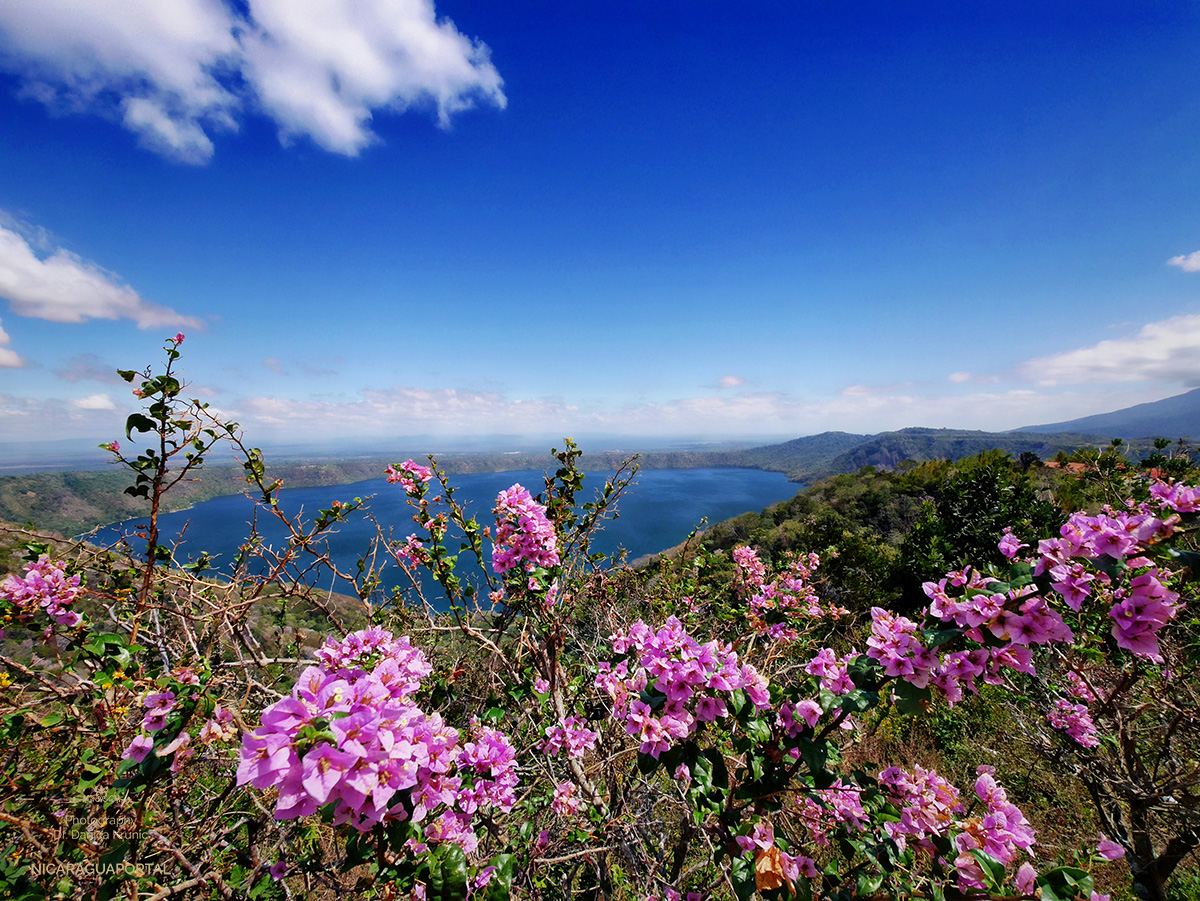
(138, 748)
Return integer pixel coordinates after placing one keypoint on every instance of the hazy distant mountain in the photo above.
(801, 458)
(806, 459)
(890, 448)
(1172, 417)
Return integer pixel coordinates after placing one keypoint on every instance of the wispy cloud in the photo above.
(41, 419)
(8, 357)
(93, 402)
(412, 410)
(730, 381)
(63, 287)
(1187, 262)
(176, 73)
(1164, 351)
(88, 368)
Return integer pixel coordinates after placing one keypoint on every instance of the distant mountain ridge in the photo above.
(72, 502)
(1171, 417)
(830, 453)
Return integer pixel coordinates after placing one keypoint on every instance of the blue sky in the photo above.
(384, 221)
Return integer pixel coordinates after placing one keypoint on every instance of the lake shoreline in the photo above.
(657, 513)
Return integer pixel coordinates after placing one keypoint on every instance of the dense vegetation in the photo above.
(933, 682)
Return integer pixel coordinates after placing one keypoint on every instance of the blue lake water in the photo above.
(657, 512)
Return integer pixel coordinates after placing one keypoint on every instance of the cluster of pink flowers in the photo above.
(1142, 607)
(45, 586)
(828, 809)
(1010, 545)
(565, 803)
(778, 607)
(930, 808)
(1175, 496)
(751, 570)
(571, 736)
(1079, 688)
(1018, 616)
(928, 805)
(219, 727)
(694, 679)
(410, 476)
(524, 535)
(762, 839)
(158, 707)
(411, 551)
(1001, 832)
(896, 644)
(833, 671)
(350, 736)
(793, 718)
(1140, 611)
(1075, 720)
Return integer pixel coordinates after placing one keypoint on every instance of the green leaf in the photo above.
(868, 883)
(1020, 575)
(137, 422)
(742, 876)
(737, 701)
(1065, 884)
(758, 730)
(858, 700)
(50, 719)
(816, 756)
(453, 873)
(993, 870)
(127, 374)
(500, 886)
(1110, 566)
(935, 639)
(908, 697)
(865, 672)
(1190, 559)
(646, 764)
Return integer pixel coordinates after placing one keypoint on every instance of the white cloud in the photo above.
(43, 419)
(155, 64)
(320, 67)
(93, 402)
(177, 72)
(1188, 263)
(8, 357)
(959, 377)
(62, 287)
(1165, 351)
(444, 411)
(731, 381)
